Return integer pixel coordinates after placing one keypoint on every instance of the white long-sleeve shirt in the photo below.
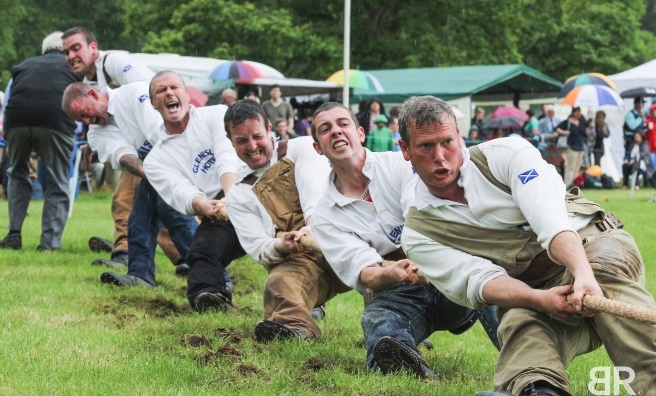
(122, 68)
(132, 126)
(254, 226)
(537, 203)
(355, 234)
(181, 167)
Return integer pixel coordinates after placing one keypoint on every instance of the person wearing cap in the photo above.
(576, 130)
(380, 139)
(634, 121)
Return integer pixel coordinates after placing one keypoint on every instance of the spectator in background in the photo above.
(651, 133)
(35, 121)
(544, 108)
(638, 160)
(394, 127)
(530, 128)
(376, 108)
(575, 128)
(363, 116)
(252, 96)
(228, 96)
(381, 138)
(634, 121)
(547, 125)
(474, 135)
(281, 131)
(599, 129)
(276, 108)
(479, 115)
(497, 133)
(302, 127)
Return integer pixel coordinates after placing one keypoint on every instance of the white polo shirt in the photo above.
(132, 127)
(122, 68)
(181, 167)
(537, 203)
(355, 234)
(253, 223)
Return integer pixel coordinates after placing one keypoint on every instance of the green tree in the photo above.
(575, 37)
(225, 30)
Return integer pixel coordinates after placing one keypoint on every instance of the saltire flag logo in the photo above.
(528, 176)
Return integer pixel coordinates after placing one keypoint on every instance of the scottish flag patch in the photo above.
(127, 68)
(143, 98)
(528, 176)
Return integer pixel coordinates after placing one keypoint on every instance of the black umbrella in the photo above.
(638, 92)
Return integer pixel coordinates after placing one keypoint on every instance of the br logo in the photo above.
(610, 380)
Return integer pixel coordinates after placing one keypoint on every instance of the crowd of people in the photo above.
(425, 228)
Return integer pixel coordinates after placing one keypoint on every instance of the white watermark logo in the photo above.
(610, 380)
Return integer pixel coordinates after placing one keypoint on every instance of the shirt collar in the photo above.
(162, 135)
(337, 198)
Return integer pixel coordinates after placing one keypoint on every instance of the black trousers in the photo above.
(214, 246)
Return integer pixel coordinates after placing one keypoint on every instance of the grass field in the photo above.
(64, 333)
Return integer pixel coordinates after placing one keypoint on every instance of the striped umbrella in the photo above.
(235, 70)
(585, 79)
(358, 80)
(593, 96)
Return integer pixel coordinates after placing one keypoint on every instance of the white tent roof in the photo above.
(640, 76)
(194, 70)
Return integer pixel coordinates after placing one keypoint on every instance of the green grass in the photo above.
(64, 333)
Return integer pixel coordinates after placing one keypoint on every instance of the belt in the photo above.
(609, 222)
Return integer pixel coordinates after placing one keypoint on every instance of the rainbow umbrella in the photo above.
(585, 79)
(357, 80)
(593, 96)
(235, 70)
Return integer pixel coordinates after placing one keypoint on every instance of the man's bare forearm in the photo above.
(132, 164)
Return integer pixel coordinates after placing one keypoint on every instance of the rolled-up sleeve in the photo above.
(347, 254)
(174, 188)
(538, 190)
(458, 275)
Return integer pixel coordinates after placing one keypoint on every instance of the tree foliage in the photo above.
(304, 38)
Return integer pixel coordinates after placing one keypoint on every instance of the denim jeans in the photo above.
(214, 246)
(410, 314)
(149, 214)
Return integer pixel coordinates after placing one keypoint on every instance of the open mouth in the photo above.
(254, 154)
(339, 144)
(173, 105)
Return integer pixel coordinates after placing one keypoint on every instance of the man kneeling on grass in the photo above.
(535, 244)
(191, 166)
(123, 125)
(358, 223)
(280, 195)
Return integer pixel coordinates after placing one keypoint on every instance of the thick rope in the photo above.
(618, 308)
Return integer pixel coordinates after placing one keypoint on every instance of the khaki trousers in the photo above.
(295, 287)
(573, 161)
(536, 346)
(124, 194)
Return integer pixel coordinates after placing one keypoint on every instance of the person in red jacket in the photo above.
(650, 135)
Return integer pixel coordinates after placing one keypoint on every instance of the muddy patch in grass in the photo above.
(158, 307)
(315, 363)
(226, 351)
(248, 369)
(232, 336)
(191, 340)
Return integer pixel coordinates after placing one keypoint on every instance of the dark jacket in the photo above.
(37, 88)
